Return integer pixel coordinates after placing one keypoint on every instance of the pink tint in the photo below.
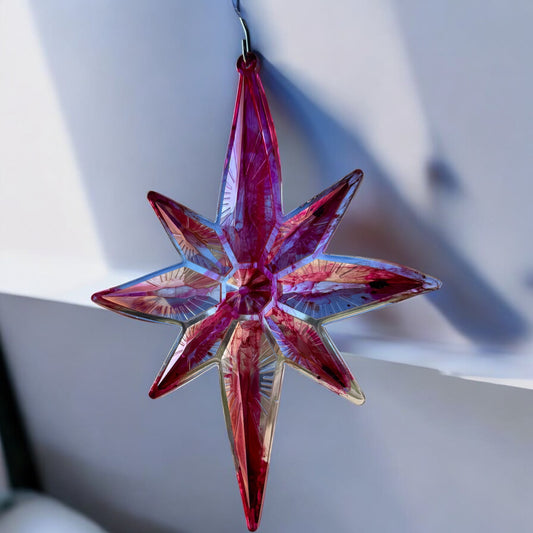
(250, 204)
(252, 378)
(310, 228)
(254, 291)
(324, 288)
(198, 345)
(193, 236)
(255, 288)
(306, 351)
(176, 295)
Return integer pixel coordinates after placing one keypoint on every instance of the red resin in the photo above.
(255, 288)
(248, 364)
(310, 354)
(193, 236)
(308, 229)
(254, 291)
(198, 345)
(251, 199)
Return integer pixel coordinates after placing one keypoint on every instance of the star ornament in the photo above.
(255, 288)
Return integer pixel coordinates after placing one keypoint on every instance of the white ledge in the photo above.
(71, 281)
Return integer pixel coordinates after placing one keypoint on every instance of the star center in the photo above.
(251, 290)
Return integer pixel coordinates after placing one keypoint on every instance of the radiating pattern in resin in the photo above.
(255, 288)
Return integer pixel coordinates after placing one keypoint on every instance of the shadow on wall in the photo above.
(117, 80)
(473, 306)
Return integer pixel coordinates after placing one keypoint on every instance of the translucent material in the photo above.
(251, 376)
(255, 287)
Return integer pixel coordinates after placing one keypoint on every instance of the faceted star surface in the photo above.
(254, 289)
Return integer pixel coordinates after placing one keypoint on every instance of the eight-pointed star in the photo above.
(255, 288)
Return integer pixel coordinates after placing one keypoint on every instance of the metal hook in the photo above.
(246, 47)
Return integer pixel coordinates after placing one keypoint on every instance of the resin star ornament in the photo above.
(255, 288)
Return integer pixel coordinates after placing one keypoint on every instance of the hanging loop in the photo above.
(246, 47)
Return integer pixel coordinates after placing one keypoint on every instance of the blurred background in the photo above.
(101, 102)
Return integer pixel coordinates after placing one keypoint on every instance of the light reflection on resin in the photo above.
(255, 288)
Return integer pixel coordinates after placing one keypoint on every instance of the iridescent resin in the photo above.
(255, 288)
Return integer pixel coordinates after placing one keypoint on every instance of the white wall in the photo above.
(102, 101)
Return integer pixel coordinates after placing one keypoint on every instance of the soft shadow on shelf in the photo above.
(468, 301)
